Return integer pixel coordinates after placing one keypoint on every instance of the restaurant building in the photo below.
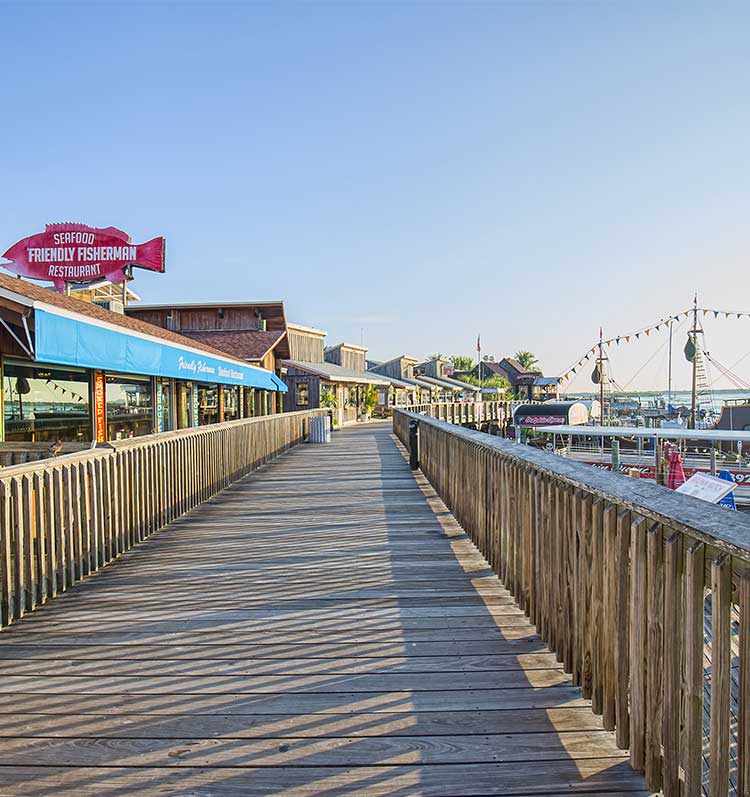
(334, 377)
(254, 332)
(75, 371)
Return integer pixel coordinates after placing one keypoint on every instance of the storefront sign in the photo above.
(159, 407)
(195, 405)
(78, 253)
(540, 420)
(100, 407)
(221, 403)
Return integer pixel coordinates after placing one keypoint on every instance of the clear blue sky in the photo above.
(425, 171)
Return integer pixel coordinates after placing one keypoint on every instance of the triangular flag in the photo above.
(647, 331)
(716, 313)
(637, 335)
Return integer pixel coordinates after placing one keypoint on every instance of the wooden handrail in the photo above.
(614, 573)
(64, 518)
(464, 411)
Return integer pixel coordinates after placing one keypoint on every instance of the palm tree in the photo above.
(527, 360)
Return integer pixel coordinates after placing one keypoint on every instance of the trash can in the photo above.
(320, 429)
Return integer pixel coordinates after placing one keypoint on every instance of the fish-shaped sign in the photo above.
(79, 253)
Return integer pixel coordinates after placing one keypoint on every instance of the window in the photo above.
(208, 404)
(231, 403)
(130, 406)
(184, 404)
(164, 405)
(46, 403)
(303, 394)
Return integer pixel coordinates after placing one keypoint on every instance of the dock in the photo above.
(322, 626)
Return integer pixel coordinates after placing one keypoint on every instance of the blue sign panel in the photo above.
(69, 341)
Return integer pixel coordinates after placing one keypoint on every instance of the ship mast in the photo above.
(669, 381)
(693, 393)
(601, 377)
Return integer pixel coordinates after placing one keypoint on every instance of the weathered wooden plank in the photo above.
(672, 658)
(743, 713)
(601, 776)
(291, 751)
(110, 663)
(622, 630)
(471, 724)
(638, 620)
(721, 664)
(654, 656)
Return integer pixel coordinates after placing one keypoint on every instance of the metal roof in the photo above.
(441, 383)
(310, 330)
(458, 383)
(397, 382)
(641, 431)
(337, 373)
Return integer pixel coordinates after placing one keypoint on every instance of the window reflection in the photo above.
(45, 403)
(130, 406)
(231, 403)
(208, 404)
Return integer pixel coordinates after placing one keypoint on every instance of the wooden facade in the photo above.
(347, 355)
(234, 317)
(255, 332)
(306, 344)
(436, 368)
(399, 367)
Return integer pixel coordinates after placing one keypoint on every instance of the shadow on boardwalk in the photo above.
(323, 627)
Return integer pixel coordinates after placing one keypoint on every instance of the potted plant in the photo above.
(369, 401)
(328, 400)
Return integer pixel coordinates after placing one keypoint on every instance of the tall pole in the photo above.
(669, 387)
(693, 396)
(601, 375)
(479, 362)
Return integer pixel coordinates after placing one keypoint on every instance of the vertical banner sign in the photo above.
(195, 405)
(159, 407)
(221, 403)
(100, 407)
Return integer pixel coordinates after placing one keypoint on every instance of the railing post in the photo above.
(414, 444)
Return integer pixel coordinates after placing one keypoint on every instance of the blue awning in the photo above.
(62, 340)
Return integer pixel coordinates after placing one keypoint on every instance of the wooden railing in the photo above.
(461, 412)
(643, 594)
(64, 518)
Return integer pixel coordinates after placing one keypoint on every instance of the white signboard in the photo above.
(708, 488)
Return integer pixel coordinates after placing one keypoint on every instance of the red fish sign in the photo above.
(79, 253)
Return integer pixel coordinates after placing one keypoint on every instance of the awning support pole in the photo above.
(15, 337)
(28, 333)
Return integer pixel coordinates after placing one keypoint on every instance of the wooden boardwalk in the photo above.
(323, 627)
